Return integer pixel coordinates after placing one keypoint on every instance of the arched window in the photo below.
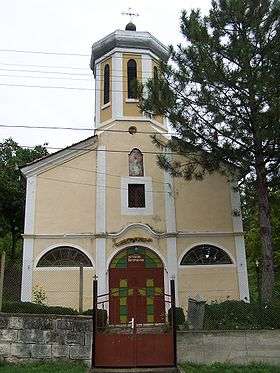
(131, 78)
(64, 256)
(135, 160)
(206, 255)
(106, 98)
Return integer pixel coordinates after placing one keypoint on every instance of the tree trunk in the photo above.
(265, 231)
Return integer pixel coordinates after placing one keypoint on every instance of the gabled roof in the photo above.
(54, 159)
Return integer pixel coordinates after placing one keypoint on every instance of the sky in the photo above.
(69, 27)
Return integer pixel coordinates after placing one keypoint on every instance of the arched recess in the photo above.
(106, 97)
(131, 78)
(135, 162)
(136, 286)
(63, 256)
(205, 254)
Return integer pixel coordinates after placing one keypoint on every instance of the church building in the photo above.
(105, 205)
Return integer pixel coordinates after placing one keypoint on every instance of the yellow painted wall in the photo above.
(130, 109)
(62, 286)
(203, 205)
(65, 197)
(105, 112)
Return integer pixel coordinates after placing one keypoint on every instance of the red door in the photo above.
(136, 281)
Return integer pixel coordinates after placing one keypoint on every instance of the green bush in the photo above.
(179, 314)
(101, 317)
(231, 315)
(28, 307)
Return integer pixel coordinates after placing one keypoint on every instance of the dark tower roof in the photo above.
(130, 27)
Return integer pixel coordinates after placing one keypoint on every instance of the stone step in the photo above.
(134, 370)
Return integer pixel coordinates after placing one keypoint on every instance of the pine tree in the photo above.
(221, 93)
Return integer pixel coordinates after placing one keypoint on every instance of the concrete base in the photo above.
(134, 370)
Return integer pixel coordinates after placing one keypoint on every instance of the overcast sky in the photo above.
(65, 26)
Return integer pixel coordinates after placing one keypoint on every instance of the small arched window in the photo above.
(106, 98)
(64, 256)
(131, 78)
(206, 255)
(135, 160)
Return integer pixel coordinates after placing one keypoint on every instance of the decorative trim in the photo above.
(28, 245)
(97, 94)
(170, 214)
(55, 159)
(147, 181)
(117, 86)
(131, 100)
(100, 256)
(207, 243)
(132, 226)
(239, 244)
(60, 244)
(120, 248)
(162, 130)
(30, 205)
(123, 41)
(132, 240)
(101, 190)
(61, 269)
(171, 244)
(106, 105)
(27, 270)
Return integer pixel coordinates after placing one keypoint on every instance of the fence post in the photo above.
(94, 321)
(2, 272)
(81, 289)
(173, 318)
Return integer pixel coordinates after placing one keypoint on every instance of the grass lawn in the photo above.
(226, 368)
(42, 367)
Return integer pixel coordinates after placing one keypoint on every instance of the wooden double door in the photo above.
(136, 281)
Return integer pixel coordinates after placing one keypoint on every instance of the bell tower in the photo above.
(117, 61)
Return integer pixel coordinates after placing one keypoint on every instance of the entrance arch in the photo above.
(136, 286)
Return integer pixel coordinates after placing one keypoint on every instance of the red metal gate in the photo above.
(133, 344)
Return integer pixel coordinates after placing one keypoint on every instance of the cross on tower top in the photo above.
(131, 13)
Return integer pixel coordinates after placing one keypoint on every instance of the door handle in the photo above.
(132, 322)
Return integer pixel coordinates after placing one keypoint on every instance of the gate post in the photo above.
(173, 318)
(94, 321)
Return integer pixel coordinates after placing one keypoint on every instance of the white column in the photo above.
(28, 244)
(97, 94)
(101, 218)
(117, 86)
(170, 218)
(241, 262)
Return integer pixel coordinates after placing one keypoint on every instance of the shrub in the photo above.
(241, 315)
(28, 307)
(101, 317)
(179, 315)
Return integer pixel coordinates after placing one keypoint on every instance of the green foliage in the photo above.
(102, 317)
(179, 314)
(233, 315)
(39, 295)
(28, 307)
(43, 367)
(12, 191)
(228, 368)
(221, 94)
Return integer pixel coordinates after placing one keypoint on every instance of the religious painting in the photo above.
(136, 167)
